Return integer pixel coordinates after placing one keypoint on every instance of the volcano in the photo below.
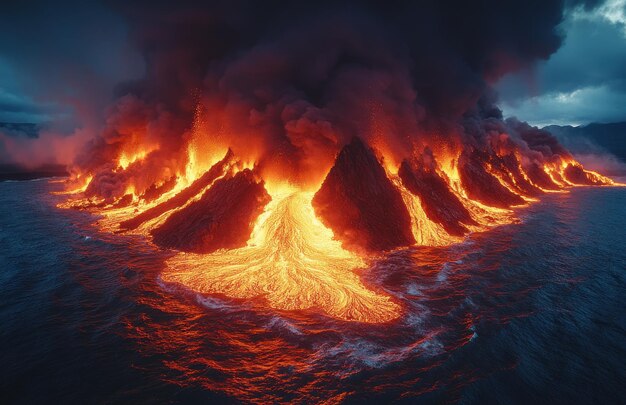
(245, 232)
(312, 201)
(278, 151)
(360, 203)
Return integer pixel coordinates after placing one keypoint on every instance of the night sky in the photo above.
(584, 81)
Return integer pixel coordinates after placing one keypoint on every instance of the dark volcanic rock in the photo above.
(181, 198)
(125, 201)
(539, 177)
(360, 204)
(222, 218)
(558, 178)
(481, 185)
(17, 172)
(438, 201)
(509, 167)
(577, 175)
(153, 192)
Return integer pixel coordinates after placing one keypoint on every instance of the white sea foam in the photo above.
(443, 273)
(414, 289)
(276, 322)
(212, 303)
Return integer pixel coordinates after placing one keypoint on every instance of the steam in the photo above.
(280, 143)
(288, 86)
(602, 162)
(48, 148)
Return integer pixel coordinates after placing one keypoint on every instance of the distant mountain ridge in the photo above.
(593, 138)
(16, 172)
(29, 129)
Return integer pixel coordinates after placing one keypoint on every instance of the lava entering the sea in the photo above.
(246, 234)
(279, 161)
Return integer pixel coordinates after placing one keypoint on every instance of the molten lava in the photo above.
(291, 261)
(247, 231)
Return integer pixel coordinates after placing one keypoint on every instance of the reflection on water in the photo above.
(527, 312)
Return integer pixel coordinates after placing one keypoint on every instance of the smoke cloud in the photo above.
(287, 84)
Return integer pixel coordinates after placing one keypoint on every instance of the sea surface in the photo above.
(528, 313)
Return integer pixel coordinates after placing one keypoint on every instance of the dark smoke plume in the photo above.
(290, 83)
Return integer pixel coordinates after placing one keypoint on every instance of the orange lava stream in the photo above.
(112, 216)
(486, 216)
(126, 160)
(75, 185)
(425, 231)
(291, 261)
(429, 233)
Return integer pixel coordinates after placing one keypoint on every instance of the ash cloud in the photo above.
(584, 81)
(290, 83)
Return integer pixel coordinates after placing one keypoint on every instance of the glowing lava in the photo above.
(291, 261)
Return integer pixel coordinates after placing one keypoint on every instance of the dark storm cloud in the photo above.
(587, 5)
(286, 65)
(585, 80)
(59, 63)
(61, 59)
(452, 49)
(15, 108)
(73, 53)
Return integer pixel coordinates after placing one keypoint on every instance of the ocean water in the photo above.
(533, 312)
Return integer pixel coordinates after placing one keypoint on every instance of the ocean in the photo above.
(532, 312)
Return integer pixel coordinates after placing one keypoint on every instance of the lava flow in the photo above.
(278, 153)
(292, 249)
(291, 261)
